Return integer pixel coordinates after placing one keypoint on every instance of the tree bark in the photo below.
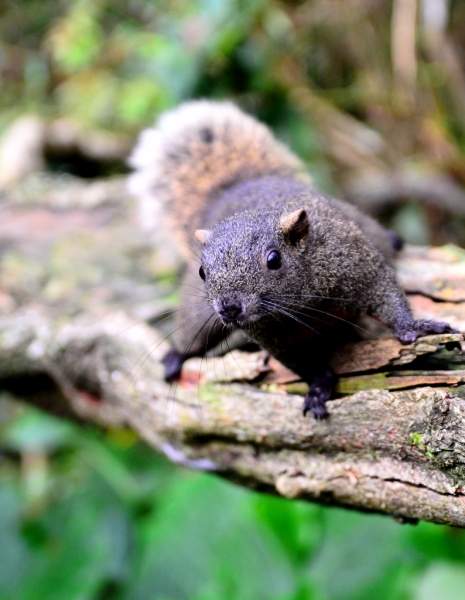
(78, 286)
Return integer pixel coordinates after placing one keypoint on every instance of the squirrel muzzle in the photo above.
(231, 311)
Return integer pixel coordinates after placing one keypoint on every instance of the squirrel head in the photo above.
(252, 263)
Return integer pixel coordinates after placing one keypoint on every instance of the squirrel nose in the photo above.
(230, 310)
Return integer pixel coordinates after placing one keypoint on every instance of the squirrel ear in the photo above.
(202, 235)
(295, 225)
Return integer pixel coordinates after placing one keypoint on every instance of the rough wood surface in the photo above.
(78, 286)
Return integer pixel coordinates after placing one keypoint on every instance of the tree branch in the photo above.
(81, 352)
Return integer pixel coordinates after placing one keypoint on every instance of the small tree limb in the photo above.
(82, 352)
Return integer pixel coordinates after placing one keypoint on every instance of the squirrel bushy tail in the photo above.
(196, 152)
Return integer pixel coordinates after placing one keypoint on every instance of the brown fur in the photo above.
(196, 152)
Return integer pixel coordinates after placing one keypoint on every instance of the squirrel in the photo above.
(280, 260)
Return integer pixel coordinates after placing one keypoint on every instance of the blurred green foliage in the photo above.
(91, 516)
(86, 515)
(117, 64)
(371, 94)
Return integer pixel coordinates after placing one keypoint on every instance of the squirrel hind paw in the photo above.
(422, 327)
(315, 403)
(173, 361)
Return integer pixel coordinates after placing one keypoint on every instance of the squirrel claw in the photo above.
(422, 327)
(315, 403)
(173, 361)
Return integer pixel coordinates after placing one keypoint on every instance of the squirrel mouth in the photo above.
(230, 311)
(239, 322)
(229, 321)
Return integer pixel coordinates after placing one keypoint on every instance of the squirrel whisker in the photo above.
(152, 349)
(180, 359)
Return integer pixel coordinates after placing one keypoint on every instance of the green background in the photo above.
(86, 515)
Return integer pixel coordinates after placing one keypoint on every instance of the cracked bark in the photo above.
(74, 286)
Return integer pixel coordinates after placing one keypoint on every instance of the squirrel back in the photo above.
(195, 153)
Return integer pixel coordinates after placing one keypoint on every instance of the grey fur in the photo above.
(335, 266)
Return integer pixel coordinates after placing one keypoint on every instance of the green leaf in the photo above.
(205, 542)
(36, 431)
(296, 525)
(441, 581)
(360, 555)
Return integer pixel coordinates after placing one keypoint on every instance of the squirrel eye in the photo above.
(273, 260)
(202, 273)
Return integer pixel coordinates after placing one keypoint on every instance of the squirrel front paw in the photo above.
(422, 327)
(173, 361)
(315, 404)
(321, 387)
